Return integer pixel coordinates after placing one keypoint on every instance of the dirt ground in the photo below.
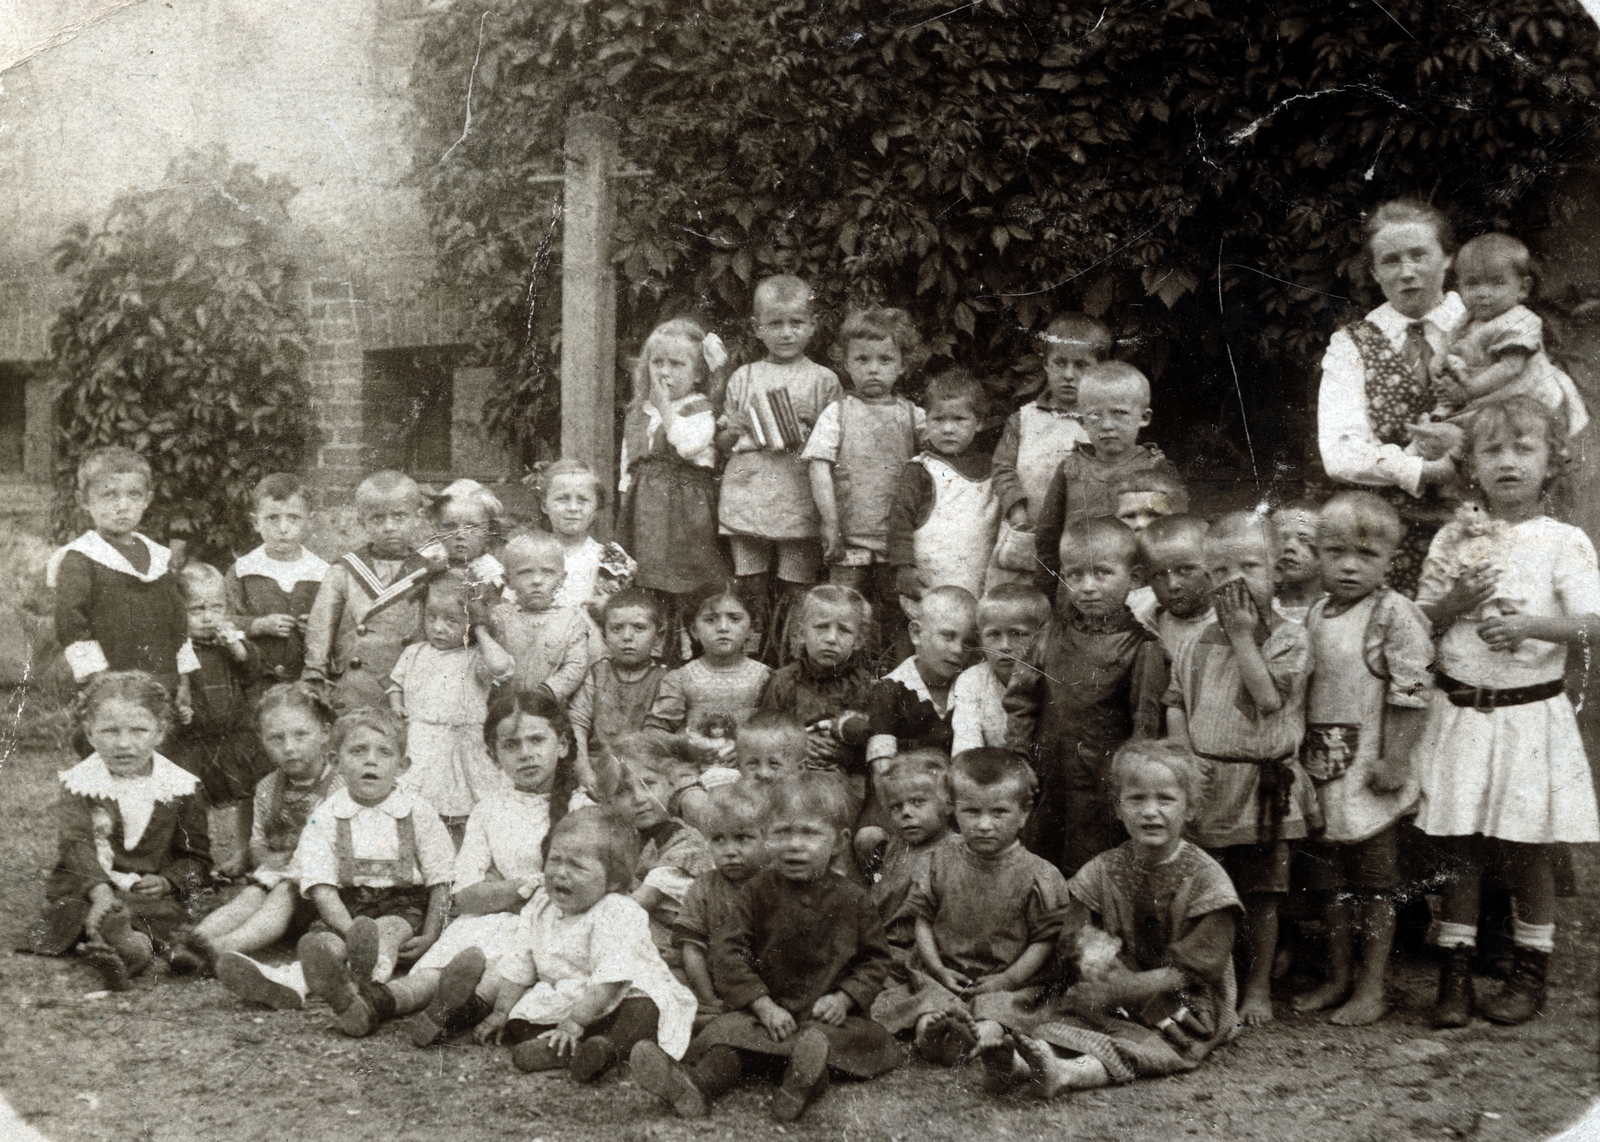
(178, 1059)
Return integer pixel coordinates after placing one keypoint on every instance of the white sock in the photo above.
(1457, 935)
(1535, 937)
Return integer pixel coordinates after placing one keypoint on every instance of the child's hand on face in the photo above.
(1236, 610)
(831, 1009)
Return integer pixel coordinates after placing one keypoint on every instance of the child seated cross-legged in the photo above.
(375, 860)
(294, 720)
(621, 688)
(441, 687)
(1149, 931)
(1365, 710)
(131, 831)
(986, 912)
(550, 644)
(1092, 678)
(500, 865)
(799, 963)
(1237, 700)
(1009, 616)
(584, 982)
(739, 848)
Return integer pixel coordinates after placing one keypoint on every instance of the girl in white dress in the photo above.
(1503, 771)
(440, 686)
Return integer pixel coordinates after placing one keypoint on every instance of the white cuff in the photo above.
(881, 746)
(188, 660)
(85, 659)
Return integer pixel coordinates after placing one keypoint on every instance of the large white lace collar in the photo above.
(136, 797)
(96, 548)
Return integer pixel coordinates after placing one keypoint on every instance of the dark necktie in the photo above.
(1418, 354)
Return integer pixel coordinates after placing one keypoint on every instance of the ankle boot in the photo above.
(1524, 993)
(1454, 1005)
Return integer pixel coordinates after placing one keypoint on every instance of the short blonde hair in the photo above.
(1117, 375)
(385, 484)
(1169, 755)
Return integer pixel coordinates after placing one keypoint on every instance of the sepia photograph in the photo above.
(653, 570)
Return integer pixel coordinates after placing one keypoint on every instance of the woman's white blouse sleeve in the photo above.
(1350, 449)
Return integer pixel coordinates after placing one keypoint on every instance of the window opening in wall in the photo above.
(407, 396)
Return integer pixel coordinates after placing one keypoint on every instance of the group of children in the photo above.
(1037, 844)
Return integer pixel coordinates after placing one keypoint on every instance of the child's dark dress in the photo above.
(1081, 690)
(795, 943)
(219, 745)
(164, 816)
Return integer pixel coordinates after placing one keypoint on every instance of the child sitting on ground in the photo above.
(584, 983)
(671, 852)
(1092, 678)
(706, 699)
(500, 865)
(987, 913)
(375, 860)
(217, 741)
(1149, 928)
(117, 604)
(571, 495)
(617, 695)
(799, 963)
(294, 720)
(1039, 435)
(915, 791)
(131, 836)
(1172, 552)
(441, 688)
(764, 504)
(772, 746)
(370, 603)
(739, 848)
(1009, 615)
(857, 449)
(944, 516)
(1237, 700)
(1365, 708)
(827, 680)
(271, 590)
(1114, 402)
(550, 644)
(1298, 573)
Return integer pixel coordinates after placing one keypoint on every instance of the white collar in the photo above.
(1444, 317)
(93, 545)
(397, 805)
(308, 568)
(136, 797)
(910, 677)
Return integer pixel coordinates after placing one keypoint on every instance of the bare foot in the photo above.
(1321, 998)
(945, 1037)
(1361, 1010)
(1056, 1075)
(1255, 1010)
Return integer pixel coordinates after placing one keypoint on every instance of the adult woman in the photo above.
(1375, 377)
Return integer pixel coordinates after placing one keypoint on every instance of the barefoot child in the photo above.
(987, 913)
(571, 495)
(370, 602)
(765, 505)
(1160, 1002)
(799, 963)
(294, 720)
(1009, 616)
(551, 645)
(739, 848)
(131, 836)
(1237, 700)
(375, 860)
(584, 983)
(500, 865)
(271, 590)
(117, 604)
(1298, 572)
(621, 688)
(217, 741)
(1091, 679)
(441, 688)
(1365, 708)
(1503, 770)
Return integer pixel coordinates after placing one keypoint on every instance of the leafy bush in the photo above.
(1195, 171)
(185, 343)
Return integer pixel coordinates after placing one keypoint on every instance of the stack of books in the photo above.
(773, 422)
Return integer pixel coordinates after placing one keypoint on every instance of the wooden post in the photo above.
(589, 297)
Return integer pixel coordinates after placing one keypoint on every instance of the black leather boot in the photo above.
(1454, 1005)
(1524, 993)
